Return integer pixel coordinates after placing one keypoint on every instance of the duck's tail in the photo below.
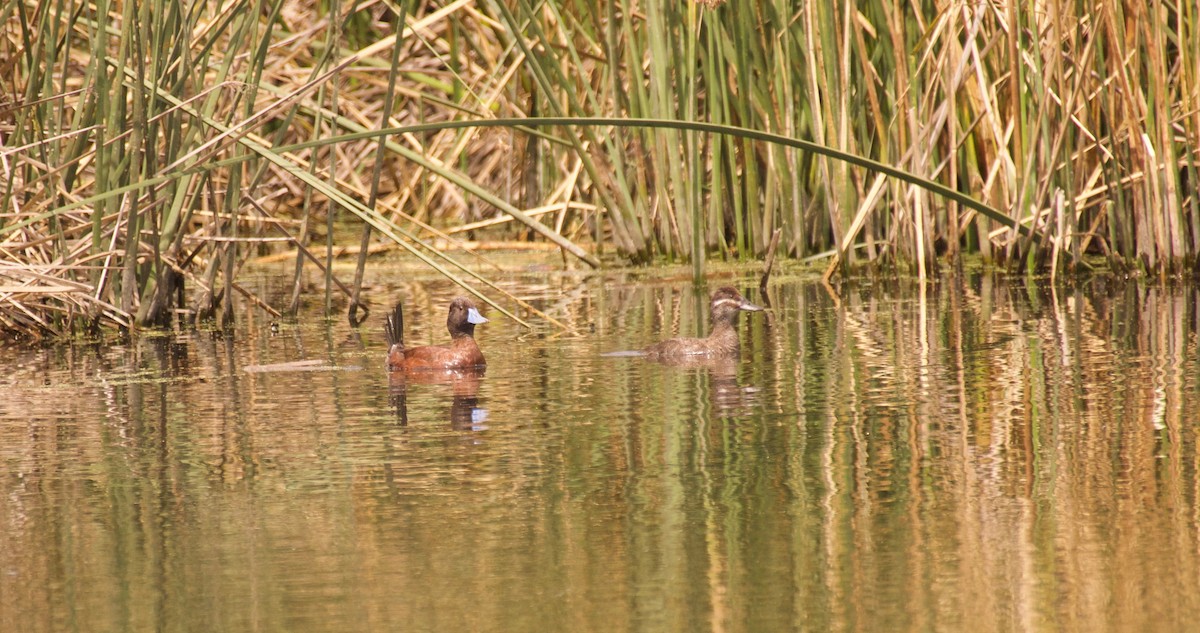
(394, 327)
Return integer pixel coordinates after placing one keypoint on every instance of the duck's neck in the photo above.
(724, 334)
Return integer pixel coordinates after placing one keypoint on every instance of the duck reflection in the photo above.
(463, 385)
(727, 397)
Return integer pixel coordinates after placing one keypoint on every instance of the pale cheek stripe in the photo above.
(724, 301)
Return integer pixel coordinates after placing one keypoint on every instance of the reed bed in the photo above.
(149, 149)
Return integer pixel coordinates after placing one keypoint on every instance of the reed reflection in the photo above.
(462, 385)
(939, 457)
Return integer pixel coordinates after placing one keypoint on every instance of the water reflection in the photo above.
(980, 453)
(727, 396)
(462, 385)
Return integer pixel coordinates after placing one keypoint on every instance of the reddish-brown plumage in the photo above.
(461, 353)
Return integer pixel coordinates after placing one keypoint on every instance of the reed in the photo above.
(140, 139)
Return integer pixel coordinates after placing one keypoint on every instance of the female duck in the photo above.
(461, 353)
(724, 307)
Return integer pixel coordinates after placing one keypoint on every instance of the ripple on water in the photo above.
(1027, 455)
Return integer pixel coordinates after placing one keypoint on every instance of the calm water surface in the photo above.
(982, 455)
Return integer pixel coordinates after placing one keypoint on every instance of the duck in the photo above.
(461, 353)
(724, 307)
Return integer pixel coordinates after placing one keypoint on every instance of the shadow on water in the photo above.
(980, 453)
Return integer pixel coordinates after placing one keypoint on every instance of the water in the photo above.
(984, 455)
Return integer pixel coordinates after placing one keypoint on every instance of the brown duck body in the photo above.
(461, 353)
(724, 307)
(723, 341)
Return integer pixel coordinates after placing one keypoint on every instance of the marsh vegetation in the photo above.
(152, 147)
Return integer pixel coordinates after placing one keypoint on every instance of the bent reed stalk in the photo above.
(150, 146)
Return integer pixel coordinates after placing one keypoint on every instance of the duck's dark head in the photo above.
(726, 303)
(463, 318)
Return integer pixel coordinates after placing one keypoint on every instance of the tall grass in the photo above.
(137, 138)
(1045, 110)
